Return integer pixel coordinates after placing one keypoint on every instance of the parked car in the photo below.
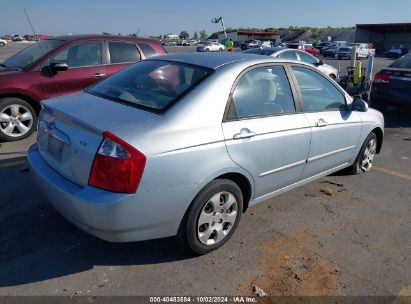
(210, 47)
(70, 64)
(395, 52)
(344, 52)
(363, 49)
(321, 46)
(391, 85)
(292, 54)
(182, 144)
(183, 43)
(311, 50)
(254, 44)
(17, 38)
(330, 51)
(2, 42)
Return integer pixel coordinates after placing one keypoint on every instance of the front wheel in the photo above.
(220, 50)
(2, 44)
(212, 217)
(365, 158)
(17, 119)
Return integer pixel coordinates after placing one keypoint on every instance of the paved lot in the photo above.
(355, 241)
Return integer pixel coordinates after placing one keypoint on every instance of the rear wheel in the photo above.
(365, 158)
(2, 44)
(17, 119)
(212, 217)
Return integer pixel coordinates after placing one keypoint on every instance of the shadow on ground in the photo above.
(38, 244)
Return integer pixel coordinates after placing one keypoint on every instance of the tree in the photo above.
(195, 36)
(106, 33)
(184, 35)
(203, 35)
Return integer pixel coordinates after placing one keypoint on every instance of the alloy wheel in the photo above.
(16, 120)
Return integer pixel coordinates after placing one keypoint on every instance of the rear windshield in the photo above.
(153, 84)
(31, 54)
(345, 50)
(403, 62)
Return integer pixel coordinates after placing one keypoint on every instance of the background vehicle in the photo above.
(254, 44)
(396, 52)
(330, 51)
(70, 64)
(292, 54)
(2, 42)
(321, 46)
(311, 50)
(16, 38)
(391, 85)
(210, 47)
(344, 52)
(363, 49)
(126, 173)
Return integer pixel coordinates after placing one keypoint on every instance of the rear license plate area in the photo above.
(55, 147)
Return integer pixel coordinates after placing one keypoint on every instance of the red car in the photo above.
(59, 66)
(312, 50)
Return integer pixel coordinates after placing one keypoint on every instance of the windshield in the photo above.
(153, 84)
(404, 62)
(31, 54)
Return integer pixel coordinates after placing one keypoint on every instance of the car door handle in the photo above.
(99, 75)
(321, 123)
(244, 133)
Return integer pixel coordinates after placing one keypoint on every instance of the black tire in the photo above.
(333, 76)
(220, 50)
(355, 168)
(6, 103)
(2, 44)
(188, 232)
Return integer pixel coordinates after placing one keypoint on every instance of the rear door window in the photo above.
(262, 91)
(288, 55)
(121, 52)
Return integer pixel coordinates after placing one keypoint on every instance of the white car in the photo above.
(17, 38)
(2, 42)
(211, 47)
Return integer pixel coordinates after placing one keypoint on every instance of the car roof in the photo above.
(99, 37)
(216, 60)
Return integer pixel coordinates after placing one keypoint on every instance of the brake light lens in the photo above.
(117, 166)
(381, 77)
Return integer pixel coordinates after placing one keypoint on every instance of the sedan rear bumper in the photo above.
(114, 217)
(383, 96)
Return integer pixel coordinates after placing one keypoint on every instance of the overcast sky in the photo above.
(155, 17)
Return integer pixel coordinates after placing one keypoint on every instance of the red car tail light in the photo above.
(381, 77)
(117, 166)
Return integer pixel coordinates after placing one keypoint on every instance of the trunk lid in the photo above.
(70, 131)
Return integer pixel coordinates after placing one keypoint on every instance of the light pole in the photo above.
(217, 20)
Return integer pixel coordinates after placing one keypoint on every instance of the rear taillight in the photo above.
(117, 166)
(381, 77)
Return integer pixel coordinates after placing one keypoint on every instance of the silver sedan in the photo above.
(293, 54)
(183, 144)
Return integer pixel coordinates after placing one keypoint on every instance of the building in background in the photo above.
(384, 36)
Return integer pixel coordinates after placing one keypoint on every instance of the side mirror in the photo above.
(58, 67)
(359, 105)
(320, 62)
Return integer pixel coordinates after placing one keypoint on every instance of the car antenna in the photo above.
(41, 47)
(34, 32)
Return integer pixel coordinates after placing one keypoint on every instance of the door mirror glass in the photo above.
(359, 105)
